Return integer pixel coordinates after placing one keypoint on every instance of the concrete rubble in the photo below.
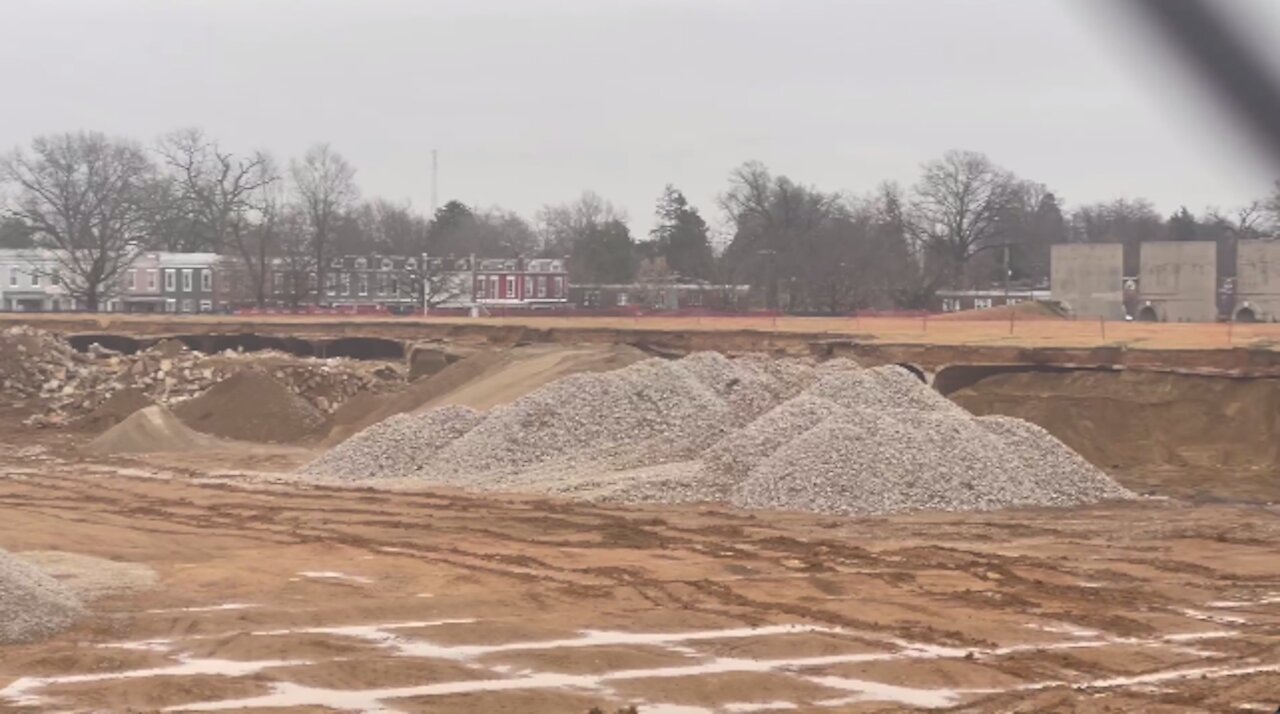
(40, 369)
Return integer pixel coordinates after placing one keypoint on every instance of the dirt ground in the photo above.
(280, 597)
(954, 329)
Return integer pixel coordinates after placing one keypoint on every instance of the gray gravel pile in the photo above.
(738, 452)
(869, 461)
(756, 432)
(652, 412)
(33, 605)
(394, 447)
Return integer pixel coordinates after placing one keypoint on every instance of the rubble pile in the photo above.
(40, 369)
(756, 432)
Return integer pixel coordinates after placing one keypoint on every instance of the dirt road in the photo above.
(293, 598)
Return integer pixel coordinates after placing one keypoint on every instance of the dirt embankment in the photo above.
(1145, 427)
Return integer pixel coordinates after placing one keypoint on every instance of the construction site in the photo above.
(1005, 512)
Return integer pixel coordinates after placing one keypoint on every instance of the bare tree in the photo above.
(775, 222)
(83, 196)
(225, 195)
(325, 186)
(562, 227)
(958, 208)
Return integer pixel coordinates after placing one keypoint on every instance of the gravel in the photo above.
(394, 447)
(33, 605)
(89, 577)
(755, 432)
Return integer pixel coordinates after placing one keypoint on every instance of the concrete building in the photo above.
(1087, 279)
(30, 282)
(1257, 287)
(1178, 281)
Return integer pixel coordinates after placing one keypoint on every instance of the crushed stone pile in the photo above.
(33, 605)
(755, 432)
(40, 369)
(395, 447)
(251, 406)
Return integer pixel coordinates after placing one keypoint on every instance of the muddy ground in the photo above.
(278, 597)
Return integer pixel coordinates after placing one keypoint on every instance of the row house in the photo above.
(521, 282)
(30, 282)
(388, 281)
(481, 283)
(169, 282)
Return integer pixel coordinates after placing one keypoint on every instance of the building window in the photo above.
(511, 286)
(493, 286)
(361, 263)
(13, 277)
(981, 303)
(335, 263)
(277, 283)
(151, 280)
(346, 283)
(130, 280)
(206, 306)
(386, 264)
(35, 279)
(558, 287)
(542, 286)
(206, 280)
(364, 283)
(411, 264)
(528, 287)
(188, 305)
(479, 287)
(622, 299)
(1014, 301)
(170, 281)
(55, 279)
(382, 283)
(188, 283)
(331, 284)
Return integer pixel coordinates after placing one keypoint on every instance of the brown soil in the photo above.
(150, 430)
(114, 409)
(523, 571)
(590, 660)
(1151, 430)
(251, 406)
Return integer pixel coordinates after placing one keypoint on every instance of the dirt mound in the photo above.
(150, 430)
(115, 409)
(251, 406)
(483, 380)
(1134, 420)
(33, 605)
(1025, 311)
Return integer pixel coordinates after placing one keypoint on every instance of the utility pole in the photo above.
(435, 176)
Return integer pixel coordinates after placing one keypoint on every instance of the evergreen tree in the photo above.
(681, 237)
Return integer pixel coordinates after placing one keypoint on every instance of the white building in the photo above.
(29, 282)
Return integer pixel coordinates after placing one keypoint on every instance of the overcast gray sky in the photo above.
(532, 101)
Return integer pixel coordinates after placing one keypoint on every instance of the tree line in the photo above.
(98, 201)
